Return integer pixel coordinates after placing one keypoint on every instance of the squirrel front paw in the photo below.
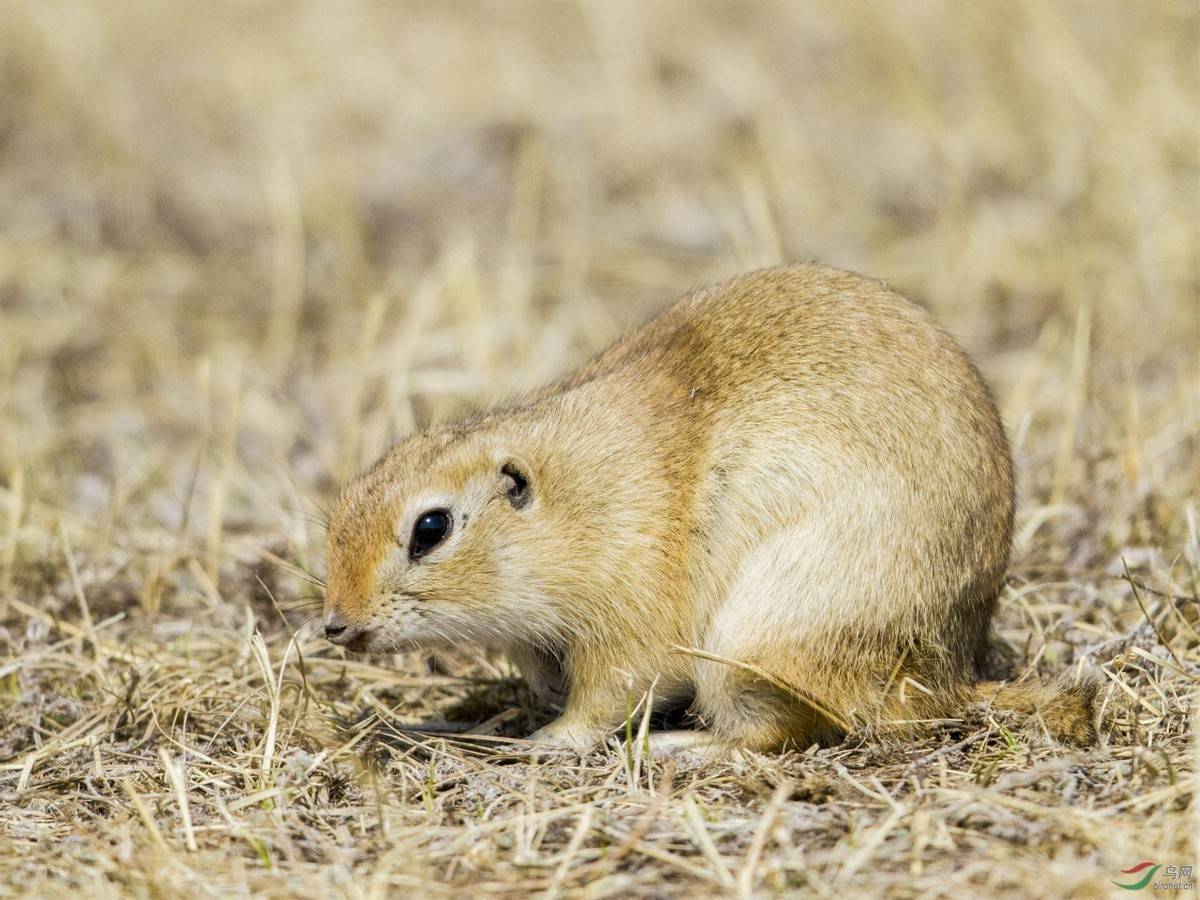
(566, 735)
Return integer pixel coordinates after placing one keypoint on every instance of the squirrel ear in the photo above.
(515, 483)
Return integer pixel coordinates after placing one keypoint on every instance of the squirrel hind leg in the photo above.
(752, 710)
(700, 741)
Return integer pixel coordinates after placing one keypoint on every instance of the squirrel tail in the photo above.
(1066, 706)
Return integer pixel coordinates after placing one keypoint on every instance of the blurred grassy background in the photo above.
(361, 216)
(244, 245)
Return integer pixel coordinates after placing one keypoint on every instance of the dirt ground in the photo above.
(243, 246)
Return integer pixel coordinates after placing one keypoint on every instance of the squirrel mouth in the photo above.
(359, 644)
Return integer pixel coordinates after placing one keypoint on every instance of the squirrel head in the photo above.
(433, 545)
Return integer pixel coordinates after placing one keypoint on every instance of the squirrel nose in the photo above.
(338, 630)
(335, 624)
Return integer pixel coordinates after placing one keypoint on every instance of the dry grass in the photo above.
(242, 246)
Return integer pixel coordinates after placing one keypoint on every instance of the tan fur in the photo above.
(795, 471)
(1066, 708)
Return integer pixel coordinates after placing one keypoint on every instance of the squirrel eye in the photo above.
(431, 529)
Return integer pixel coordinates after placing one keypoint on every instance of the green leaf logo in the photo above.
(1145, 880)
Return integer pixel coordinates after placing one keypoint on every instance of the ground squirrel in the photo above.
(786, 500)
